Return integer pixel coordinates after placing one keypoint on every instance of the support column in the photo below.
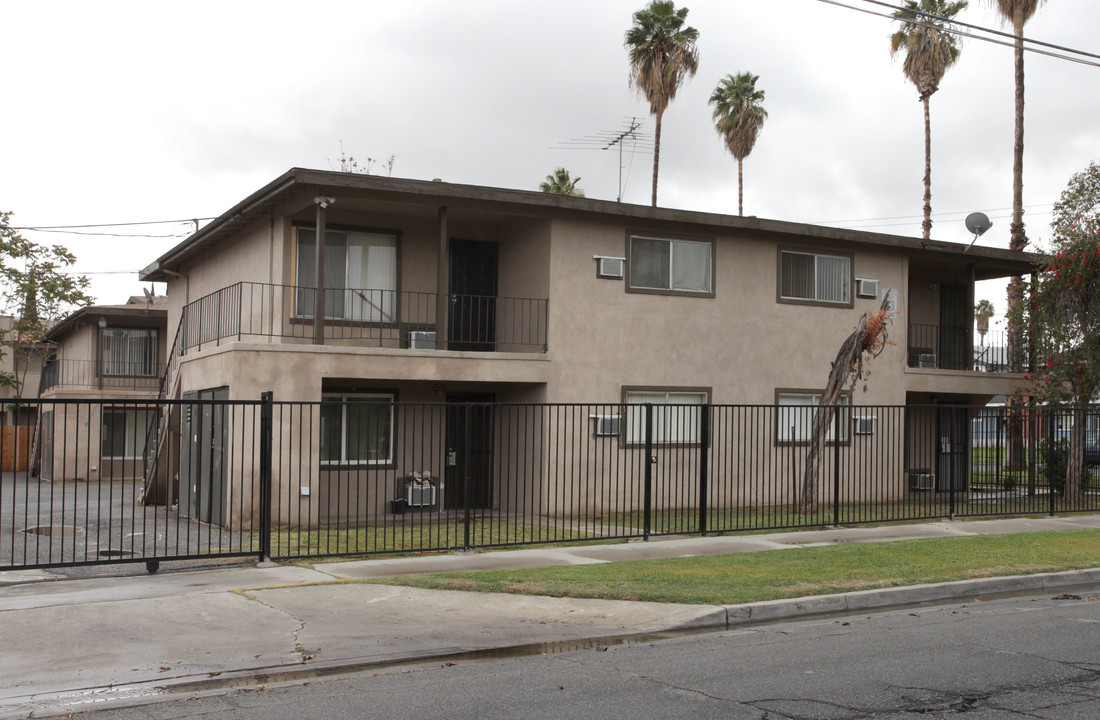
(322, 203)
(443, 284)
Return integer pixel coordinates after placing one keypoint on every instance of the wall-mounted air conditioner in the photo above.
(921, 480)
(866, 288)
(606, 425)
(421, 340)
(926, 360)
(863, 425)
(609, 267)
(420, 495)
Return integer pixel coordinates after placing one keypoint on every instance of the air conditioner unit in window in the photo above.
(607, 425)
(921, 480)
(609, 267)
(926, 360)
(866, 288)
(421, 340)
(863, 425)
(420, 495)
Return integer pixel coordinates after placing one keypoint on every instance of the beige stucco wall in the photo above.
(742, 342)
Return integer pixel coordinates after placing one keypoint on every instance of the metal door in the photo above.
(952, 449)
(468, 466)
(473, 281)
(203, 456)
(955, 324)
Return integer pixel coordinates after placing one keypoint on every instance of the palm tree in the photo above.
(929, 51)
(738, 116)
(1018, 12)
(559, 183)
(662, 54)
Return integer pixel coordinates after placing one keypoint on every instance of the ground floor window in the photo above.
(795, 417)
(677, 414)
(357, 428)
(124, 431)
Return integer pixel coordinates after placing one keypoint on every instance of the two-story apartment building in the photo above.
(441, 292)
(107, 363)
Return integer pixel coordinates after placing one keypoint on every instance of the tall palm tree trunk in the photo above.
(1018, 240)
(740, 189)
(656, 154)
(1014, 452)
(927, 224)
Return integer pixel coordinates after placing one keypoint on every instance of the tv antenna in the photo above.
(976, 223)
(607, 139)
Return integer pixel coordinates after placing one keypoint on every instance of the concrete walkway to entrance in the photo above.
(94, 642)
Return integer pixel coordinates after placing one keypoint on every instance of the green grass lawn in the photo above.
(412, 536)
(774, 574)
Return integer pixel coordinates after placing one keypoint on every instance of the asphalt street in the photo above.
(1022, 657)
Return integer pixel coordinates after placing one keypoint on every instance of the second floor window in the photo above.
(671, 266)
(129, 351)
(815, 277)
(360, 275)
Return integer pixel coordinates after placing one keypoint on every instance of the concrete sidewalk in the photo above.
(73, 643)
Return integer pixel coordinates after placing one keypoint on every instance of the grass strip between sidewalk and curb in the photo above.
(777, 574)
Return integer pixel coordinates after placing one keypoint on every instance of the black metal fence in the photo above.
(362, 476)
(383, 318)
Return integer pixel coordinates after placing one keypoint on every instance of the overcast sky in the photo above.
(125, 112)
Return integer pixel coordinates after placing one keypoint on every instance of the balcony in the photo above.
(953, 348)
(95, 375)
(364, 318)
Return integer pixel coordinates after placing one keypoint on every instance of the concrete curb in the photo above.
(884, 598)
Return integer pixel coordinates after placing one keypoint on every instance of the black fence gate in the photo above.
(108, 481)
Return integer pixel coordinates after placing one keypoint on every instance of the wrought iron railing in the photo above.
(364, 317)
(111, 375)
(955, 348)
(308, 479)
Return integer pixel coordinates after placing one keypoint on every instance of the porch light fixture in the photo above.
(102, 323)
(323, 201)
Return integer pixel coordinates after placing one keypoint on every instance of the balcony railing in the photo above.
(364, 317)
(94, 374)
(954, 348)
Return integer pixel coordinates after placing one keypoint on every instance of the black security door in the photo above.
(469, 462)
(951, 449)
(955, 322)
(473, 319)
(204, 434)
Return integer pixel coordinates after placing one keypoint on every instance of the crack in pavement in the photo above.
(295, 634)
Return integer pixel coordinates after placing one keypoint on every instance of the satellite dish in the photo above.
(977, 223)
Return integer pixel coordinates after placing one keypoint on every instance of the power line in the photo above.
(985, 29)
(100, 234)
(102, 225)
(947, 28)
(935, 215)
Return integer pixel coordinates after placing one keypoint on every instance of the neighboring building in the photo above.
(435, 291)
(21, 359)
(102, 352)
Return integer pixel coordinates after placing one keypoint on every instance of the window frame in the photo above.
(815, 253)
(627, 421)
(394, 312)
(672, 240)
(330, 399)
(151, 363)
(130, 416)
(814, 395)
